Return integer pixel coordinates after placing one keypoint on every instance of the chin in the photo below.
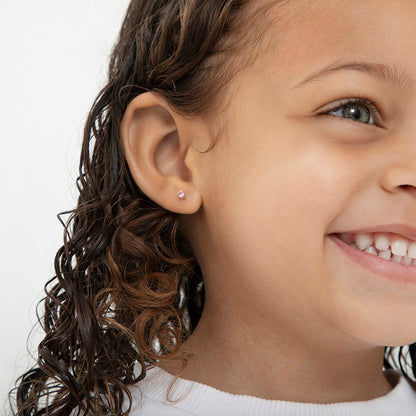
(393, 337)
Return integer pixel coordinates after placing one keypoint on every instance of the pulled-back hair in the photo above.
(128, 290)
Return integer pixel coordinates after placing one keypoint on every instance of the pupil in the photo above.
(353, 111)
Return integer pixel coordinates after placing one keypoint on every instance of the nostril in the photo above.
(411, 189)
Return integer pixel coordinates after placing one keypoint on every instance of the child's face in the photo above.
(286, 177)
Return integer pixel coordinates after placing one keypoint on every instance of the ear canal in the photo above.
(169, 157)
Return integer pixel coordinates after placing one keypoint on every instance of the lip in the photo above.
(398, 273)
(396, 228)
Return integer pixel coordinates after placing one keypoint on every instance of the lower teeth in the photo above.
(386, 255)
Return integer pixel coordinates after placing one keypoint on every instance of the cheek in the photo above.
(267, 214)
(294, 190)
(272, 203)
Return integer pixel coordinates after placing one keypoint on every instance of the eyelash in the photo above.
(365, 100)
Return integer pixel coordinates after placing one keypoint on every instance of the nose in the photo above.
(399, 155)
(400, 176)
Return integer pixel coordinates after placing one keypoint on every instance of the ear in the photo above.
(157, 143)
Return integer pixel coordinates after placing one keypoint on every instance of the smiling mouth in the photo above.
(387, 246)
(370, 258)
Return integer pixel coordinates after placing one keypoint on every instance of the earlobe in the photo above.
(156, 142)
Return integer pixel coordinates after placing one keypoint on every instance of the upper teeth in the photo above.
(382, 243)
(399, 246)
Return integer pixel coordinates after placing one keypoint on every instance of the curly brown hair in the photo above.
(128, 289)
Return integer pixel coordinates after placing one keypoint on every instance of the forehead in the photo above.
(308, 34)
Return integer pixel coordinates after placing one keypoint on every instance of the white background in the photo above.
(54, 56)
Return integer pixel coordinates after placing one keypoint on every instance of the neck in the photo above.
(244, 359)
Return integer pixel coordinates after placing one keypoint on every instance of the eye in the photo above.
(356, 109)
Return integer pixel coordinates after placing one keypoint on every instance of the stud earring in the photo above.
(181, 195)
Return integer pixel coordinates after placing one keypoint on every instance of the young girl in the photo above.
(245, 236)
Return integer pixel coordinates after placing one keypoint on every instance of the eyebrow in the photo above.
(394, 75)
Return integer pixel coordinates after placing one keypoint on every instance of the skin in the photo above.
(287, 315)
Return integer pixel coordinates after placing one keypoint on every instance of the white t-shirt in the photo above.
(196, 399)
